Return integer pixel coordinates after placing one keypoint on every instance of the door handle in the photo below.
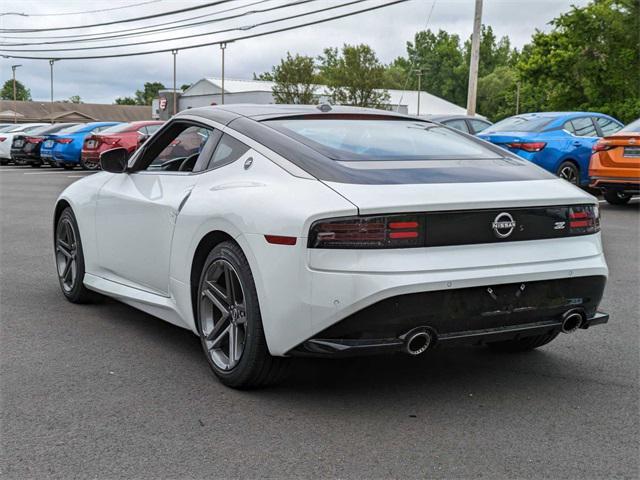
(577, 143)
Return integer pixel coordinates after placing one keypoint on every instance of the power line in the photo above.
(218, 42)
(195, 35)
(126, 20)
(89, 11)
(203, 22)
(136, 30)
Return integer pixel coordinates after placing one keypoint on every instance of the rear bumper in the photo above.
(22, 158)
(466, 315)
(622, 184)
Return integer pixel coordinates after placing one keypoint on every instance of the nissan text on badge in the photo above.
(275, 231)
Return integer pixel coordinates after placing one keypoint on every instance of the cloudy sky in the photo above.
(101, 80)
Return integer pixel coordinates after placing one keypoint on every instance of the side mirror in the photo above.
(114, 160)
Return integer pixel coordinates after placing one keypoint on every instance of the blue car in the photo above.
(559, 142)
(64, 148)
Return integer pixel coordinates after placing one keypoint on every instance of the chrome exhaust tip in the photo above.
(417, 341)
(571, 321)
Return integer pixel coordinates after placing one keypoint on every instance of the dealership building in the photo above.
(208, 91)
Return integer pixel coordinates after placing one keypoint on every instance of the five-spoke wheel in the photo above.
(69, 258)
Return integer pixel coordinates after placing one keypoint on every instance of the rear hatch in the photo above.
(623, 152)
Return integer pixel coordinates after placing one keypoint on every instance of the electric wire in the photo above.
(90, 11)
(217, 42)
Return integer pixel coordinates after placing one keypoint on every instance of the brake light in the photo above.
(584, 219)
(528, 146)
(64, 140)
(602, 146)
(2, 139)
(395, 231)
(34, 139)
(280, 240)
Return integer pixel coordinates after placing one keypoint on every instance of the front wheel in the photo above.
(70, 259)
(569, 171)
(615, 197)
(523, 344)
(230, 324)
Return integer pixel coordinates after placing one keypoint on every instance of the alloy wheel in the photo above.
(569, 174)
(66, 255)
(223, 314)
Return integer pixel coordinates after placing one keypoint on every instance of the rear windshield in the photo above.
(51, 129)
(75, 128)
(123, 127)
(521, 124)
(632, 127)
(370, 140)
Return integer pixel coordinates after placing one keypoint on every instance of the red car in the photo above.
(127, 135)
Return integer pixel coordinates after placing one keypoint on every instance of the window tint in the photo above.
(521, 124)
(178, 149)
(228, 150)
(584, 127)
(568, 126)
(74, 128)
(353, 140)
(143, 130)
(607, 125)
(458, 124)
(632, 127)
(479, 125)
(153, 128)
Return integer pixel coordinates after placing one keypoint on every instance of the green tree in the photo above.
(125, 101)
(148, 93)
(497, 93)
(354, 76)
(75, 99)
(294, 79)
(22, 92)
(590, 60)
(185, 86)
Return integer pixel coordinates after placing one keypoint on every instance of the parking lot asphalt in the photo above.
(106, 391)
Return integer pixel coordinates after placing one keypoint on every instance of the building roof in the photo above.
(429, 104)
(71, 112)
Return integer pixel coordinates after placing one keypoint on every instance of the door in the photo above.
(136, 212)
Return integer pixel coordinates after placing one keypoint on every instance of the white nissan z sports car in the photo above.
(275, 231)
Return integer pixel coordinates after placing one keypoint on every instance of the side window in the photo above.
(228, 150)
(99, 129)
(478, 125)
(568, 126)
(457, 124)
(607, 126)
(143, 131)
(152, 128)
(177, 149)
(584, 127)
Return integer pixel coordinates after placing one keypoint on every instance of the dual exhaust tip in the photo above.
(419, 340)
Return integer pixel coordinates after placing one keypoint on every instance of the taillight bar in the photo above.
(64, 140)
(34, 139)
(602, 146)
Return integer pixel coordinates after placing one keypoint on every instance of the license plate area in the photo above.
(633, 152)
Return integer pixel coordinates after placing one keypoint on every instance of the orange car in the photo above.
(615, 164)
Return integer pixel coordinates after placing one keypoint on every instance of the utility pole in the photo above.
(15, 97)
(475, 60)
(51, 62)
(223, 47)
(175, 99)
(419, 73)
(517, 98)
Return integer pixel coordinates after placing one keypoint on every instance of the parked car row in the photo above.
(69, 145)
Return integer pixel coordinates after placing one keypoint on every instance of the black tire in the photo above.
(74, 291)
(4, 162)
(570, 172)
(88, 166)
(523, 344)
(255, 367)
(35, 165)
(615, 197)
(67, 166)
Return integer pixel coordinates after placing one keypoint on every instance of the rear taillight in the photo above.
(110, 140)
(394, 231)
(584, 219)
(528, 146)
(33, 139)
(64, 140)
(602, 146)
(2, 139)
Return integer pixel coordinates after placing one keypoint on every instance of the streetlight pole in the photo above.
(475, 60)
(175, 100)
(51, 62)
(223, 47)
(15, 97)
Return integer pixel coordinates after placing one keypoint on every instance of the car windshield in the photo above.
(632, 127)
(521, 124)
(367, 140)
(74, 128)
(123, 127)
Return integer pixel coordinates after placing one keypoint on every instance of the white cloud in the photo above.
(387, 31)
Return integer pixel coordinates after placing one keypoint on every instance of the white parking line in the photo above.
(53, 173)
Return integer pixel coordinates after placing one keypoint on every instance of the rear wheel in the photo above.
(35, 165)
(229, 322)
(88, 165)
(616, 197)
(570, 172)
(4, 162)
(67, 166)
(523, 344)
(70, 259)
